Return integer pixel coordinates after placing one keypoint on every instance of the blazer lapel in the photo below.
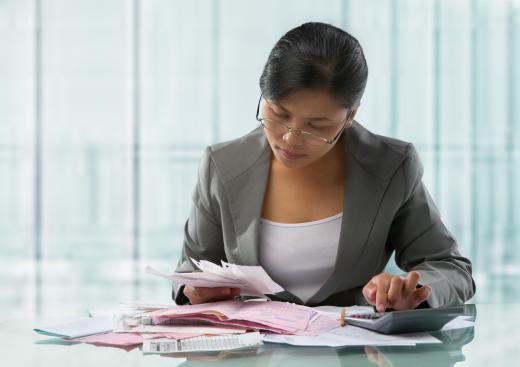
(363, 194)
(246, 197)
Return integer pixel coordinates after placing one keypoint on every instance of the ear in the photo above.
(354, 110)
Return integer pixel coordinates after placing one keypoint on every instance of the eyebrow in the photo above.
(311, 118)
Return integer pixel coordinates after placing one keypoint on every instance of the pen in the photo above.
(342, 317)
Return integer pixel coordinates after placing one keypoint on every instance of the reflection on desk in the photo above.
(492, 342)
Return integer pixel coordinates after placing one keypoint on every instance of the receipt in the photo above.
(252, 280)
(202, 343)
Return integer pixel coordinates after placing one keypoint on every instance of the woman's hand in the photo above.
(394, 291)
(198, 295)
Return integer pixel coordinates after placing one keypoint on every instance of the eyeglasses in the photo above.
(312, 138)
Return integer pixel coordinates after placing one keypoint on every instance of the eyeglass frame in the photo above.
(300, 131)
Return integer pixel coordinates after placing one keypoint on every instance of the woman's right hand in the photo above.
(198, 295)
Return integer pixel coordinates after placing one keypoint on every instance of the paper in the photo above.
(352, 336)
(180, 329)
(203, 343)
(146, 306)
(331, 339)
(319, 324)
(112, 339)
(273, 316)
(334, 311)
(170, 335)
(374, 338)
(131, 321)
(209, 329)
(252, 280)
(76, 329)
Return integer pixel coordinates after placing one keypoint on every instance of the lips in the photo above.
(289, 155)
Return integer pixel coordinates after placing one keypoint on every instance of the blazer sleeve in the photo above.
(423, 243)
(202, 231)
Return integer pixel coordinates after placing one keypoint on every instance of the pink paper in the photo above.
(283, 315)
(112, 339)
(225, 307)
(229, 323)
(177, 336)
(275, 316)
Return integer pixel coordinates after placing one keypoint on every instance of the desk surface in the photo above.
(492, 342)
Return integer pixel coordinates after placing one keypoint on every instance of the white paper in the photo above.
(334, 311)
(146, 306)
(340, 337)
(252, 280)
(203, 343)
(76, 329)
(181, 329)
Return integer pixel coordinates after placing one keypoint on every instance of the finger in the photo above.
(206, 294)
(188, 291)
(412, 279)
(395, 292)
(224, 292)
(382, 292)
(220, 293)
(369, 292)
(235, 292)
(193, 294)
(420, 295)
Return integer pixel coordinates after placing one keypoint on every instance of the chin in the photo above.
(298, 163)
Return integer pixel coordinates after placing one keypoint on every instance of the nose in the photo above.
(293, 137)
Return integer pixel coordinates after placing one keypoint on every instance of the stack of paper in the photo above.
(112, 331)
(267, 316)
(252, 280)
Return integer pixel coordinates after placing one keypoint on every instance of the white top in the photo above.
(299, 256)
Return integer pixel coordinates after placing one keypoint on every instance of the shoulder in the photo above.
(232, 158)
(380, 155)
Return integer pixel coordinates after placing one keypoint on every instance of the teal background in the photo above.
(107, 105)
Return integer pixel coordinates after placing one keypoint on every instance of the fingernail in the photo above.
(225, 292)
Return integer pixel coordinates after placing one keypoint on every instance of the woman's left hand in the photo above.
(394, 291)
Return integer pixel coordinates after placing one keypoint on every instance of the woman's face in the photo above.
(310, 110)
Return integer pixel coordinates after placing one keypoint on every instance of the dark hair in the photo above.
(316, 55)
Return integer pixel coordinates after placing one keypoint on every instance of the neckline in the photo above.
(303, 224)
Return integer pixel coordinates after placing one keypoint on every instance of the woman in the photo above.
(318, 200)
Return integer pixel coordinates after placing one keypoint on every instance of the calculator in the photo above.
(406, 321)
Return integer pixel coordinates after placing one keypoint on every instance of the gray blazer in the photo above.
(387, 208)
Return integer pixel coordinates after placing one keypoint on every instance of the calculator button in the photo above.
(370, 316)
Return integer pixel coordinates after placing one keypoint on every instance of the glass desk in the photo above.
(492, 342)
